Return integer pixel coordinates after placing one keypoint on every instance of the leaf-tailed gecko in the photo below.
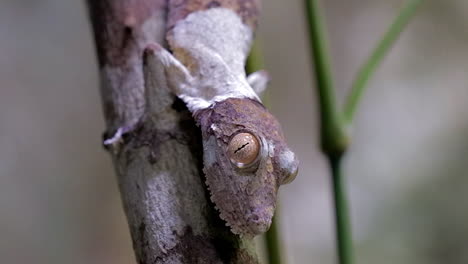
(245, 155)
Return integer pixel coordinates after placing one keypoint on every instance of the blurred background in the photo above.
(406, 172)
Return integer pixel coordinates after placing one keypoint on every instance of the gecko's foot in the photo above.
(114, 141)
(153, 47)
(259, 81)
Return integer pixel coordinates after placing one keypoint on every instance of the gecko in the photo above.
(245, 155)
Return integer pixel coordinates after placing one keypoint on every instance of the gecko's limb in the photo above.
(114, 142)
(155, 78)
(156, 61)
(216, 79)
(175, 74)
(208, 79)
(259, 81)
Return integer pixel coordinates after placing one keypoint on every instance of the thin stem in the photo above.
(272, 236)
(372, 62)
(255, 58)
(255, 63)
(333, 136)
(273, 242)
(342, 220)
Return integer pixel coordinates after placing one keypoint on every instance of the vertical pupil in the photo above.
(243, 149)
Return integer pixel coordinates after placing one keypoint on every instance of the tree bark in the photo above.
(156, 149)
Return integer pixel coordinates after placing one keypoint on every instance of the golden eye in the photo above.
(243, 149)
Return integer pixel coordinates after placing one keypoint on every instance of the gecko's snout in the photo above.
(259, 220)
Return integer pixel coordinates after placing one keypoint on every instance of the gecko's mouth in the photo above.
(259, 227)
(259, 221)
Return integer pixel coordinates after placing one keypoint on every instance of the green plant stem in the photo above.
(334, 138)
(342, 223)
(272, 236)
(372, 62)
(255, 58)
(255, 63)
(273, 242)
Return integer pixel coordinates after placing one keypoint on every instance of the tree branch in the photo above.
(158, 156)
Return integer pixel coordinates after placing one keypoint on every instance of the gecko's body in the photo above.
(245, 154)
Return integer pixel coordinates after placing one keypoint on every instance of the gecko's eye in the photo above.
(243, 149)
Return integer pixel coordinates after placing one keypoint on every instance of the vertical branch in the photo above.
(122, 28)
(156, 147)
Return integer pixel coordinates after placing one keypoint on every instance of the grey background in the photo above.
(406, 170)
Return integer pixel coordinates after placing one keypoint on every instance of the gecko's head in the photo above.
(246, 159)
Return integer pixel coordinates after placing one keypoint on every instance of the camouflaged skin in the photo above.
(210, 41)
(246, 199)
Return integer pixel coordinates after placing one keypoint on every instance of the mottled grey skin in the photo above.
(248, 10)
(246, 198)
(210, 41)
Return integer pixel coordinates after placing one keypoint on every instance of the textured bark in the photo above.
(158, 159)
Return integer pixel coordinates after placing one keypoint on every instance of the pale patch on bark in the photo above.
(154, 28)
